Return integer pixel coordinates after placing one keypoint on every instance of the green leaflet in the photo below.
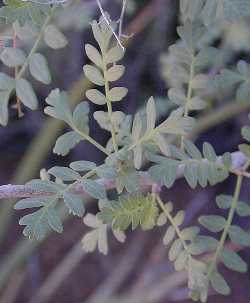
(239, 236)
(197, 280)
(198, 168)
(37, 223)
(224, 202)
(97, 237)
(180, 244)
(175, 124)
(26, 93)
(23, 11)
(25, 32)
(233, 261)
(121, 122)
(64, 173)
(39, 69)
(66, 142)
(219, 284)
(82, 165)
(103, 73)
(78, 120)
(4, 101)
(228, 79)
(202, 244)
(135, 210)
(31, 202)
(128, 178)
(213, 223)
(245, 132)
(74, 204)
(54, 38)
(12, 57)
(94, 189)
(211, 10)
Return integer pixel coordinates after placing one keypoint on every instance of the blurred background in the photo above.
(57, 269)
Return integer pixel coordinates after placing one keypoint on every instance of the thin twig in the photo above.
(109, 25)
(124, 3)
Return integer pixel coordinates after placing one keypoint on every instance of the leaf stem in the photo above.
(171, 220)
(109, 105)
(227, 226)
(92, 141)
(189, 96)
(36, 44)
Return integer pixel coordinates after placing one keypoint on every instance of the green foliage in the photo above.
(15, 10)
(135, 210)
(30, 21)
(182, 250)
(164, 145)
(198, 169)
(78, 120)
(212, 10)
(228, 79)
(97, 238)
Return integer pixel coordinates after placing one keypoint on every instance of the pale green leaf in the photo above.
(233, 261)
(151, 114)
(54, 221)
(192, 150)
(181, 261)
(219, 284)
(74, 204)
(239, 236)
(6, 82)
(117, 93)
(245, 132)
(44, 186)
(175, 250)
(4, 101)
(177, 96)
(54, 38)
(115, 72)
(161, 220)
(82, 165)
(26, 94)
(94, 189)
(94, 55)
(114, 54)
(64, 173)
(179, 218)
(95, 96)
(59, 108)
(39, 69)
(224, 201)
(66, 142)
(213, 223)
(81, 118)
(169, 235)
(32, 202)
(93, 74)
(12, 57)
